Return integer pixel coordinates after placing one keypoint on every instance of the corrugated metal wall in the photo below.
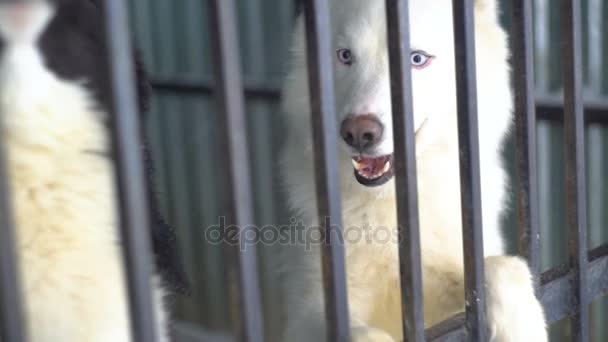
(182, 129)
(183, 132)
(550, 142)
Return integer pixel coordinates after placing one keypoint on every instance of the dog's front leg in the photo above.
(514, 313)
(362, 332)
(308, 323)
(313, 328)
(362, 300)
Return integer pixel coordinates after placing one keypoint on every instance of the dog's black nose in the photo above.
(361, 131)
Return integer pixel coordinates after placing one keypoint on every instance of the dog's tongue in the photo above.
(370, 166)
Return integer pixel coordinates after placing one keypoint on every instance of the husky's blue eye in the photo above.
(345, 56)
(420, 59)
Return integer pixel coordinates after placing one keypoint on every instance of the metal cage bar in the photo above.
(525, 134)
(559, 285)
(12, 324)
(468, 140)
(325, 132)
(556, 295)
(566, 290)
(11, 302)
(133, 197)
(574, 149)
(242, 258)
(406, 187)
(12, 312)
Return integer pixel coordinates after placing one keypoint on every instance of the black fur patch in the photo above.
(74, 47)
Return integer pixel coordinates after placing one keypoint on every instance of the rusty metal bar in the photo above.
(243, 267)
(525, 133)
(410, 269)
(325, 132)
(559, 285)
(574, 149)
(450, 330)
(130, 173)
(470, 188)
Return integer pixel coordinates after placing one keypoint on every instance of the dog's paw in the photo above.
(369, 334)
(514, 312)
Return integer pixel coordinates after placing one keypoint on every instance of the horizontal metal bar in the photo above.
(548, 107)
(189, 85)
(193, 332)
(557, 100)
(450, 330)
(327, 177)
(470, 187)
(133, 195)
(242, 260)
(410, 269)
(555, 295)
(552, 108)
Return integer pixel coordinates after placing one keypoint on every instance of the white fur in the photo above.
(514, 313)
(63, 189)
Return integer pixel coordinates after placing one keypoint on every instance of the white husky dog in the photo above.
(368, 191)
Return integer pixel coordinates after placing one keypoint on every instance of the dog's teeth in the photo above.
(366, 175)
(387, 166)
(356, 165)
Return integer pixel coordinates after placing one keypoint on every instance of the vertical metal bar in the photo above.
(574, 149)
(410, 268)
(133, 198)
(12, 318)
(259, 58)
(224, 43)
(541, 40)
(325, 132)
(525, 134)
(470, 188)
(12, 325)
(595, 65)
(596, 46)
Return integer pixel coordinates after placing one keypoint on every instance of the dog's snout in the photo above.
(362, 131)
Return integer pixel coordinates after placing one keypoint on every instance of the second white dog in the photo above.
(368, 190)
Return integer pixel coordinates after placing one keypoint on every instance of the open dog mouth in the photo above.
(373, 171)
